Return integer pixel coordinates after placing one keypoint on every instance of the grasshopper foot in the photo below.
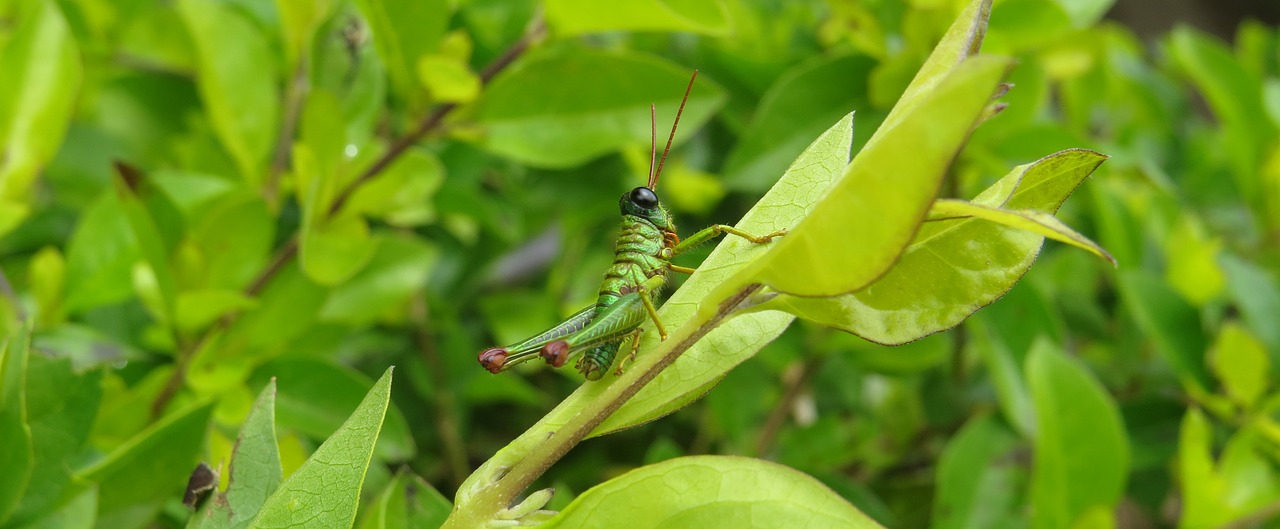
(493, 359)
(555, 353)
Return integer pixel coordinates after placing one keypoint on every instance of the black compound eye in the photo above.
(644, 197)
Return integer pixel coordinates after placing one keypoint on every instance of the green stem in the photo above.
(500, 480)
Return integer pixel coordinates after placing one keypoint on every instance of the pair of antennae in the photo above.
(653, 118)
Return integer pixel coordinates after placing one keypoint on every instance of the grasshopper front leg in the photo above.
(499, 359)
(711, 232)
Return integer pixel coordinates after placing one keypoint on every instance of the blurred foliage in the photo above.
(222, 220)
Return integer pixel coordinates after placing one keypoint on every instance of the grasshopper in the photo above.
(641, 263)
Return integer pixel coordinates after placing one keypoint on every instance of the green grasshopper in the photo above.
(642, 260)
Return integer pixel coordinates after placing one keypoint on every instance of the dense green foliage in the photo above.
(223, 221)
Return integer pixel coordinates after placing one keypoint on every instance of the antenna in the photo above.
(654, 173)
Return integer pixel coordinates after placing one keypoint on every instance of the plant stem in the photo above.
(497, 483)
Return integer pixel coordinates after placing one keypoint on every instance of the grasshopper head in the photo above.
(643, 202)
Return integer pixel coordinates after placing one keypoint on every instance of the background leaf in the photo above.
(709, 491)
(340, 462)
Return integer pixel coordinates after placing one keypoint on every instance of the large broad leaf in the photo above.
(576, 17)
(955, 267)
(712, 492)
(866, 220)
(139, 477)
(237, 80)
(1081, 449)
(566, 105)
(42, 70)
(255, 470)
(325, 491)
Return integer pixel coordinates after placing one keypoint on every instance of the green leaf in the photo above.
(562, 106)
(1235, 96)
(47, 278)
(1257, 295)
(255, 470)
(299, 20)
(100, 256)
(954, 267)
(403, 32)
(331, 248)
(1003, 334)
(196, 309)
(579, 17)
(979, 479)
(317, 395)
(17, 457)
(797, 108)
(230, 241)
(136, 479)
(236, 75)
(61, 405)
(711, 491)
(1192, 265)
(883, 195)
(325, 491)
(398, 268)
(1080, 446)
(1036, 222)
(407, 502)
(287, 307)
(739, 338)
(1240, 362)
(44, 70)
(1085, 13)
(402, 194)
(74, 512)
(1170, 322)
(1203, 490)
(154, 254)
(448, 79)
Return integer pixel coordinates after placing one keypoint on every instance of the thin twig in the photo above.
(796, 384)
(297, 92)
